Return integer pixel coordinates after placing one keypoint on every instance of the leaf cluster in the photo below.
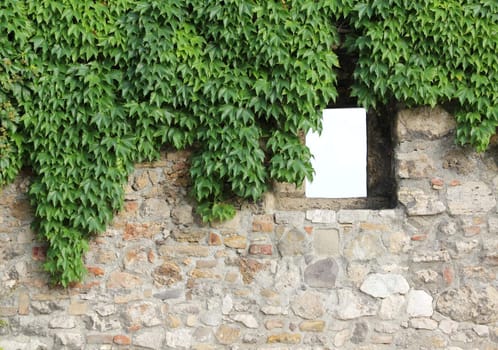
(429, 52)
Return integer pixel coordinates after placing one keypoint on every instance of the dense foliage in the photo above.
(88, 88)
(429, 52)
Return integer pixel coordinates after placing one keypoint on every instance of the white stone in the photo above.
(417, 202)
(63, 322)
(271, 310)
(481, 330)
(391, 307)
(247, 320)
(466, 247)
(351, 306)
(211, 318)
(423, 323)
(448, 326)
(179, 339)
(69, 340)
(341, 337)
(383, 285)
(419, 304)
(227, 305)
(149, 339)
(319, 216)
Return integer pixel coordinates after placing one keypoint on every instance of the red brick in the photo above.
(122, 340)
(448, 275)
(39, 253)
(308, 229)
(437, 183)
(95, 270)
(422, 237)
(455, 183)
(261, 249)
(214, 239)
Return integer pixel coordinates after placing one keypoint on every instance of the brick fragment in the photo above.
(261, 249)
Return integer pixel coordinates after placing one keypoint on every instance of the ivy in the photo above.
(426, 53)
(88, 88)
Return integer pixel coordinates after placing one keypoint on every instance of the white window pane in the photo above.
(340, 155)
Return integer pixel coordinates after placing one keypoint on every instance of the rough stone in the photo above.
(391, 307)
(342, 337)
(312, 326)
(321, 274)
(419, 304)
(182, 214)
(448, 326)
(235, 241)
(320, 216)
(308, 306)
(360, 332)
(69, 340)
(383, 285)
(417, 202)
(184, 250)
(62, 322)
(167, 274)
(424, 122)
(326, 242)
(469, 304)
(149, 339)
(169, 294)
(364, 247)
(414, 165)
(179, 339)
(189, 235)
(423, 323)
(293, 242)
(291, 218)
(286, 338)
(142, 314)
(470, 198)
(247, 320)
(351, 306)
(227, 305)
(227, 335)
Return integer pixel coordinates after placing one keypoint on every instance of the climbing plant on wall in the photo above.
(88, 88)
(429, 52)
(237, 82)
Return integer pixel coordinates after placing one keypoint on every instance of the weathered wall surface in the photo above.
(421, 276)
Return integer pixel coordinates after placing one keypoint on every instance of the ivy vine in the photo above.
(89, 88)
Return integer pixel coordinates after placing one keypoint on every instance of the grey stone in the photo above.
(326, 242)
(293, 243)
(470, 198)
(442, 255)
(150, 339)
(469, 304)
(308, 305)
(348, 216)
(383, 285)
(320, 216)
(417, 202)
(247, 320)
(182, 214)
(105, 310)
(351, 306)
(419, 304)
(169, 294)
(448, 326)
(211, 318)
(366, 246)
(69, 341)
(360, 332)
(294, 218)
(202, 334)
(321, 274)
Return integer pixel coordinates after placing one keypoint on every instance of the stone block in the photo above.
(417, 202)
(308, 306)
(293, 242)
(118, 280)
(419, 304)
(383, 285)
(424, 122)
(321, 274)
(227, 335)
(263, 223)
(261, 249)
(366, 246)
(182, 215)
(294, 218)
(312, 326)
(320, 216)
(286, 338)
(151, 339)
(326, 242)
(414, 165)
(184, 250)
(235, 241)
(470, 198)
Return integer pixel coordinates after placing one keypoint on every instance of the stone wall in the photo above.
(420, 276)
